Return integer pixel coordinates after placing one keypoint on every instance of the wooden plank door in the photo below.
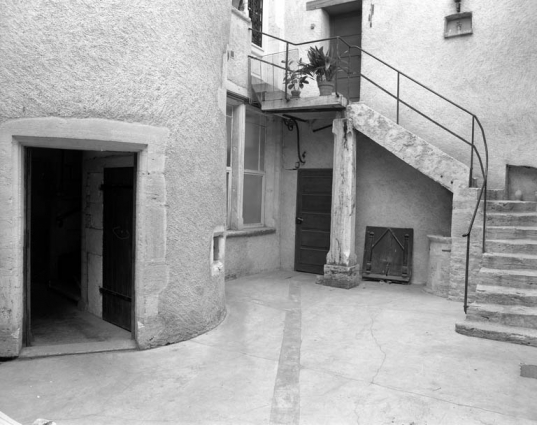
(117, 289)
(27, 317)
(313, 212)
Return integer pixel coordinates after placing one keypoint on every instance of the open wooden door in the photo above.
(27, 316)
(118, 236)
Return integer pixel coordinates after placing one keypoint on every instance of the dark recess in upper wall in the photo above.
(335, 7)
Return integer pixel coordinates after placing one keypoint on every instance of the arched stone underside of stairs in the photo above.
(440, 167)
(503, 281)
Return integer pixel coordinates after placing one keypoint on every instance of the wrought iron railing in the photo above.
(341, 44)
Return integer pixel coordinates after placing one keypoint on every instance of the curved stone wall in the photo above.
(156, 63)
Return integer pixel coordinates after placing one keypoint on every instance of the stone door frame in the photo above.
(151, 273)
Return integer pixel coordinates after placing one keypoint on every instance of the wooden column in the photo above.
(341, 269)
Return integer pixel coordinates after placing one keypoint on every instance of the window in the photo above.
(255, 11)
(245, 166)
(254, 169)
(229, 136)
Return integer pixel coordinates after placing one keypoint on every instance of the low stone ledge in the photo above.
(258, 231)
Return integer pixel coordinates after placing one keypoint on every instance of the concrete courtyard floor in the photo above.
(291, 351)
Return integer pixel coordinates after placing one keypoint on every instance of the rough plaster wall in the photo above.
(239, 43)
(252, 254)
(92, 207)
(319, 148)
(137, 62)
(491, 73)
(390, 193)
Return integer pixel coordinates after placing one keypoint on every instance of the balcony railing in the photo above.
(349, 68)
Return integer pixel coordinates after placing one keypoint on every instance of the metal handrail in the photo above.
(473, 149)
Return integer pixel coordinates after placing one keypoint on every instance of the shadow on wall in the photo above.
(390, 193)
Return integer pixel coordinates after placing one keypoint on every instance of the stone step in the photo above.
(510, 232)
(512, 246)
(512, 219)
(504, 295)
(507, 206)
(510, 315)
(493, 260)
(497, 332)
(508, 278)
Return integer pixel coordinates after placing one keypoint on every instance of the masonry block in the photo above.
(155, 188)
(156, 234)
(340, 276)
(155, 278)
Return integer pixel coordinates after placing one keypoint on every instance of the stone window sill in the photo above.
(258, 231)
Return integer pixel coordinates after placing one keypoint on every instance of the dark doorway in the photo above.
(349, 26)
(117, 246)
(56, 310)
(54, 199)
(314, 204)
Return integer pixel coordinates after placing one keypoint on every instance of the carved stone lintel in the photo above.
(340, 276)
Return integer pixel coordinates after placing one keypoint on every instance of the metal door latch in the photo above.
(299, 220)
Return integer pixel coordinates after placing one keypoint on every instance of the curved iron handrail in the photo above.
(474, 151)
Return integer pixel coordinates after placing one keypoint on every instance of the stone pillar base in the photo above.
(340, 276)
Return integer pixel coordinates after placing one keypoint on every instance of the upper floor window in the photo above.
(254, 169)
(255, 10)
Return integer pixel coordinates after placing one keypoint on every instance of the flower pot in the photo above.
(325, 87)
(295, 94)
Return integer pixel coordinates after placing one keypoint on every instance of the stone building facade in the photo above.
(221, 173)
(126, 84)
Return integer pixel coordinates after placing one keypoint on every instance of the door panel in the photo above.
(314, 203)
(348, 25)
(117, 246)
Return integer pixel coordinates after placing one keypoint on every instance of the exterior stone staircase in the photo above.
(505, 306)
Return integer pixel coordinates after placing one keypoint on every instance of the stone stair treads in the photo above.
(492, 294)
(498, 332)
(511, 315)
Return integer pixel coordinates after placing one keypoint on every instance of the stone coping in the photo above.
(440, 239)
(258, 231)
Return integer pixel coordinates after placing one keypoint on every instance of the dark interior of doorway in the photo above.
(55, 311)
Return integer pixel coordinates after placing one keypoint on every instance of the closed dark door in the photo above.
(348, 25)
(117, 246)
(314, 204)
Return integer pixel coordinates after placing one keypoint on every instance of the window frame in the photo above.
(237, 171)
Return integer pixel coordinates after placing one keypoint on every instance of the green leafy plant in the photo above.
(295, 79)
(321, 65)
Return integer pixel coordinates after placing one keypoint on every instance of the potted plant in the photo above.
(323, 67)
(295, 79)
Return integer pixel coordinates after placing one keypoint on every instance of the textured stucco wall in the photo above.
(241, 46)
(251, 254)
(152, 62)
(491, 73)
(390, 193)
